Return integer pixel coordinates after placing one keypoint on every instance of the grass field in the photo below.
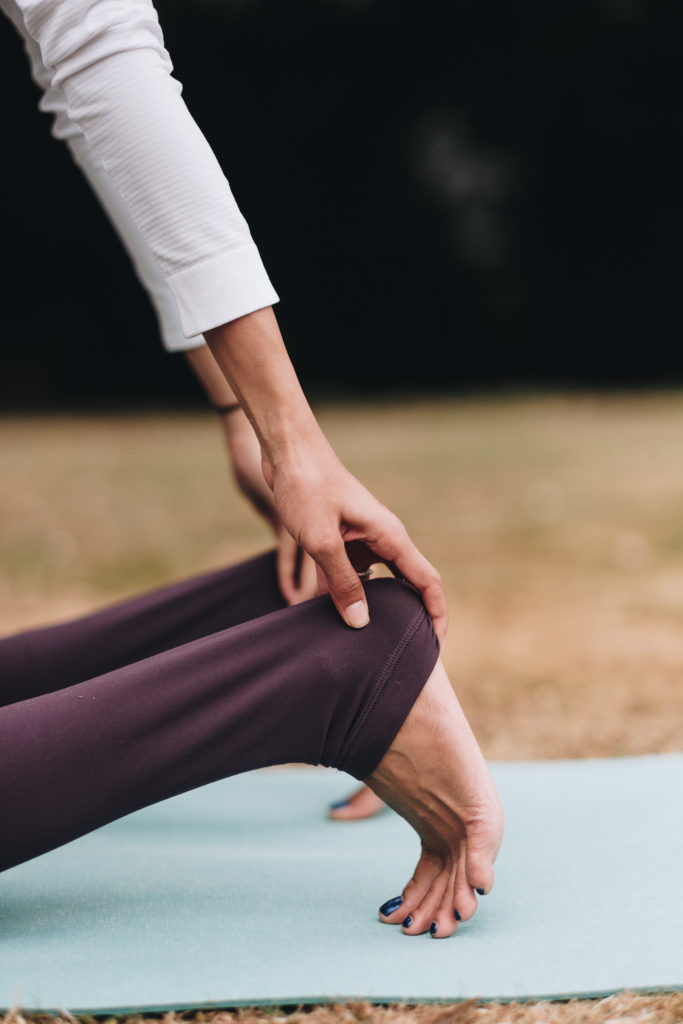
(556, 522)
(626, 1008)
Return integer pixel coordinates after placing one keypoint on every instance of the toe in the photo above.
(481, 879)
(391, 911)
(444, 923)
(447, 916)
(398, 909)
(417, 897)
(362, 804)
(464, 900)
(479, 866)
(418, 922)
(427, 913)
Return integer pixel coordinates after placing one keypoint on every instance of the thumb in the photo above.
(344, 586)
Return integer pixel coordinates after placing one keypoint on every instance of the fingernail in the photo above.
(457, 916)
(339, 804)
(433, 928)
(390, 906)
(482, 892)
(408, 921)
(357, 615)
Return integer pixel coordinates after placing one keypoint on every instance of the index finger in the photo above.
(414, 567)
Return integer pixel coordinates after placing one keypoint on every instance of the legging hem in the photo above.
(398, 686)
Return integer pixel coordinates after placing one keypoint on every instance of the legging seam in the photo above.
(382, 679)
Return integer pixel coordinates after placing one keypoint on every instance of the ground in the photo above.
(557, 523)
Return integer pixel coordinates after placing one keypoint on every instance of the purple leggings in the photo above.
(192, 683)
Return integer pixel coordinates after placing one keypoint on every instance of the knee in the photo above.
(394, 659)
(396, 607)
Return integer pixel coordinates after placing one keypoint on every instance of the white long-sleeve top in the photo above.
(107, 58)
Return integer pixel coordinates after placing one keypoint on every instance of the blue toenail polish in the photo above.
(390, 906)
(433, 928)
(408, 921)
(482, 892)
(339, 804)
(457, 916)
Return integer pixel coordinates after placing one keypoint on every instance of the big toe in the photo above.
(362, 804)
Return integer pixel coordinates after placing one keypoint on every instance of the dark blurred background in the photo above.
(447, 195)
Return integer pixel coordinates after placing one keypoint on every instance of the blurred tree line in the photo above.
(447, 195)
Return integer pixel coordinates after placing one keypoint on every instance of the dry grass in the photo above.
(627, 1008)
(557, 524)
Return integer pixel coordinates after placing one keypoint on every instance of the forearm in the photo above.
(243, 446)
(252, 355)
(210, 376)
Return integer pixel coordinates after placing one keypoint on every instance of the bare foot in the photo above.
(361, 804)
(435, 776)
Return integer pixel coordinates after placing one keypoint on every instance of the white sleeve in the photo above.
(146, 267)
(108, 59)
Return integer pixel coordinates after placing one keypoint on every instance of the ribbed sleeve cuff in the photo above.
(220, 289)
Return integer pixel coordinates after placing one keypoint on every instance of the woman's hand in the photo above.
(317, 500)
(345, 529)
(295, 569)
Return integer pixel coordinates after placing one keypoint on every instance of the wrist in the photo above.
(233, 419)
(226, 410)
(218, 392)
(290, 437)
(237, 431)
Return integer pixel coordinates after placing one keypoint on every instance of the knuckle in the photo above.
(322, 545)
(393, 537)
(395, 528)
(436, 578)
(348, 587)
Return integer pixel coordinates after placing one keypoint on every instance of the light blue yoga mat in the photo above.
(242, 893)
